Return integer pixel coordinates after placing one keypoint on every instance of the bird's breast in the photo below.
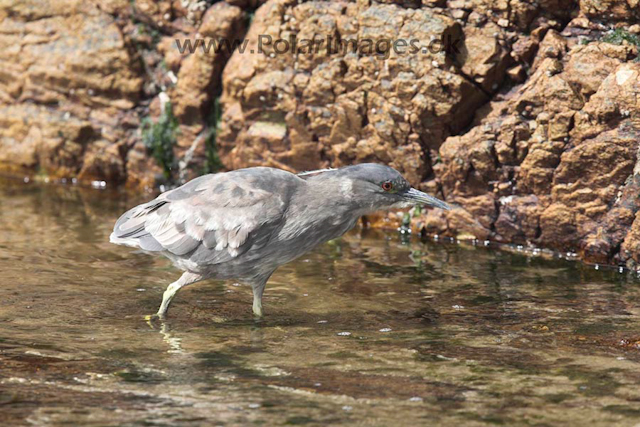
(306, 235)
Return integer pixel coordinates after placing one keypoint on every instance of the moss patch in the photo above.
(160, 138)
(212, 162)
(619, 36)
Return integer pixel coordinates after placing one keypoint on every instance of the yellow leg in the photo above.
(184, 280)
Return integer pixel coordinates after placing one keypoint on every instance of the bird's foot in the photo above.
(258, 319)
(257, 312)
(154, 320)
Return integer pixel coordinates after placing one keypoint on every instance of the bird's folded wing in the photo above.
(209, 220)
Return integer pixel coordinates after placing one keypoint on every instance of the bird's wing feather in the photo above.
(211, 219)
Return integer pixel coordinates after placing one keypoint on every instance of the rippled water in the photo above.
(366, 330)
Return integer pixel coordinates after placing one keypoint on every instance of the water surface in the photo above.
(366, 330)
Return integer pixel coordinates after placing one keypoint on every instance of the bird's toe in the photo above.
(153, 320)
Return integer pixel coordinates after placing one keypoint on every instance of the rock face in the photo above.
(524, 114)
(337, 107)
(54, 103)
(77, 78)
(553, 162)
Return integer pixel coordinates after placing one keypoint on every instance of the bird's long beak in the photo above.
(418, 197)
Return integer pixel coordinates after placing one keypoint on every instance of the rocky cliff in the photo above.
(525, 114)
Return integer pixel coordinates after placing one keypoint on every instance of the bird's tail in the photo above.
(129, 229)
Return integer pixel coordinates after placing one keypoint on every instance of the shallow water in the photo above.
(366, 330)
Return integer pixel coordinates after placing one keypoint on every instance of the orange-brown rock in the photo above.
(67, 80)
(198, 78)
(556, 155)
(198, 83)
(76, 78)
(304, 111)
(611, 10)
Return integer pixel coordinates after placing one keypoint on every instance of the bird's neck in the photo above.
(322, 209)
(334, 196)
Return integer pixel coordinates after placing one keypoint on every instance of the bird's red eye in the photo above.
(387, 186)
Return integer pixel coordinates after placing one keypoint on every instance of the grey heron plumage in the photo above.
(246, 223)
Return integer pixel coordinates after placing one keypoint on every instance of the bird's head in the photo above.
(377, 187)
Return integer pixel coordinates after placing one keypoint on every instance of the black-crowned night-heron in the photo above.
(246, 223)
